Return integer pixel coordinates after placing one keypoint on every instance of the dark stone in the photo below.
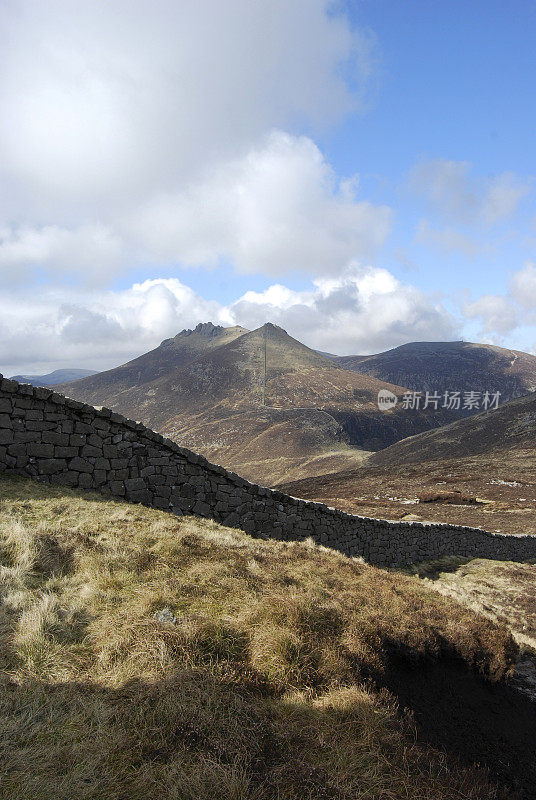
(80, 465)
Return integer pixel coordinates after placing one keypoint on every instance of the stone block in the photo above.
(22, 403)
(80, 465)
(68, 478)
(160, 502)
(33, 425)
(39, 450)
(88, 451)
(41, 393)
(53, 437)
(65, 452)
(34, 414)
(50, 466)
(17, 449)
(84, 428)
(134, 484)
(99, 477)
(85, 480)
(101, 424)
(202, 509)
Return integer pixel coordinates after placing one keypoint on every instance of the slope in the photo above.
(106, 387)
(263, 404)
(451, 366)
(148, 656)
(478, 471)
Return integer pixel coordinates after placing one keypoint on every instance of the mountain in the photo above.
(169, 355)
(507, 429)
(56, 377)
(450, 366)
(259, 402)
(478, 471)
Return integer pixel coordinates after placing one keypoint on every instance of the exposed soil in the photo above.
(478, 722)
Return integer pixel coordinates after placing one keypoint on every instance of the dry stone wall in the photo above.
(62, 441)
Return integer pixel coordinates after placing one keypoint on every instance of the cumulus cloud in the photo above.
(497, 314)
(96, 329)
(278, 208)
(140, 136)
(523, 286)
(113, 100)
(365, 310)
(92, 251)
(460, 197)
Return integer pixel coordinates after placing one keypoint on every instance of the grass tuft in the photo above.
(150, 656)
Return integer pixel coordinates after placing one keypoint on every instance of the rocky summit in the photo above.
(259, 402)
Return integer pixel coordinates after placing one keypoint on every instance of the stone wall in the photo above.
(65, 442)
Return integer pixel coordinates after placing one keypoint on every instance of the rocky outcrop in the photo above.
(62, 441)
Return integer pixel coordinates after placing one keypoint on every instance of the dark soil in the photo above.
(478, 722)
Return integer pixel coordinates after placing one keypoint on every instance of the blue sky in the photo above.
(458, 83)
(360, 173)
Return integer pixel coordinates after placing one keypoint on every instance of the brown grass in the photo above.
(253, 680)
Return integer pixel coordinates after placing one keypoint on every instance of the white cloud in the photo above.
(110, 101)
(458, 196)
(446, 241)
(497, 314)
(503, 195)
(523, 286)
(137, 135)
(365, 310)
(278, 208)
(96, 329)
(91, 250)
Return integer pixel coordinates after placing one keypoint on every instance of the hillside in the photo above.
(510, 427)
(145, 655)
(259, 402)
(478, 471)
(170, 354)
(450, 366)
(53, 378)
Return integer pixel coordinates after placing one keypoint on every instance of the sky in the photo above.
(361, 173)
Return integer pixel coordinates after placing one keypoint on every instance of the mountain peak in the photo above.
(208, 329)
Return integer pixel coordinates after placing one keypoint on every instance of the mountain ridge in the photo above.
(56, 377)
(244, 397)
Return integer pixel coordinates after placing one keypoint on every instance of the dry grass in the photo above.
(500, 590)
(254, 682)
